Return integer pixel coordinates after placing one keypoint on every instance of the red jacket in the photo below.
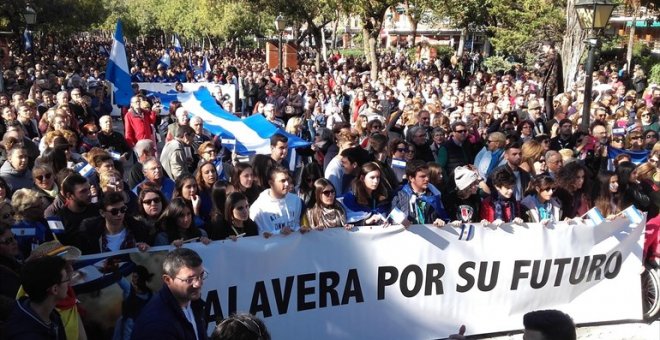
(487, 210)
(137, 128)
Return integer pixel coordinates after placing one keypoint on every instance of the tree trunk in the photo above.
(365, 42)
(324, 50)
(573, 45)
(334, 31)
(414, 31)
(372, 56)
(631, 38)
(461, 43)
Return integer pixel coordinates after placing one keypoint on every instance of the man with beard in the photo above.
(77, 206)
(513, 156)
(177, 311)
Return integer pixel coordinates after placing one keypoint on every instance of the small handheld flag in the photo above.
(207, 66)
(397, 216)
(634, 215)
(595, 217)
(55, 225)
(165, 60)
(28, 40)
(177, 44)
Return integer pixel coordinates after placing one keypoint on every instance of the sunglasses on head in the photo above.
(116, 211)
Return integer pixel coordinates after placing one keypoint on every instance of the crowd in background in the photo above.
(424, 143)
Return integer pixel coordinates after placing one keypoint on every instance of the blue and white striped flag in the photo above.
(595, 217)
(207, 66)
(55, 224)
(177, 44)
(634, 215)
(117, 71)
(27, 38)
(249, 135)
(165, 60)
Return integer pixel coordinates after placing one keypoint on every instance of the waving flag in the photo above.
(207, 65)
(117, 71)
(249, 135)
(177, 44)
(165, 60)
(27, 38)
(637, 157)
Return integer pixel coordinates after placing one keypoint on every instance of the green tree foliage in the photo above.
(496, 64)
(522, 24)
(61, 16)
(514, 27)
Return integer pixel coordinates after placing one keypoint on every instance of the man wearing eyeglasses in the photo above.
(113, 230)
(177, 311)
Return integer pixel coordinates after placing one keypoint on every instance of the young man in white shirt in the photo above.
(276, 210)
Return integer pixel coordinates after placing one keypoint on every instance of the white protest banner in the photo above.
(423, 282)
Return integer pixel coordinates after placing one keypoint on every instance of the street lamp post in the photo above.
(593, 16)
(30, 16)
(280, 25)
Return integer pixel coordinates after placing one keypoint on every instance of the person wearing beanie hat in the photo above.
(463, 202)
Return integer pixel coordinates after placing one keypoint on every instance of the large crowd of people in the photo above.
(424, 143)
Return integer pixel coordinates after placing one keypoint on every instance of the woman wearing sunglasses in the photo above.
(44, 181)
(539, 206)
(151, 204)
(178, 225)
(326, 212)
(113, 230)
(30, 227)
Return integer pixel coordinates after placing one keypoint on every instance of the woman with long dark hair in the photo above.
(630, 192)
(606, 194)
(186, 187)
(309, 174)
(326, 211)
(217, 219)
(369, 195)
(243, 181)
(237, 222)
(572, 189)
(178, 225)
(206, 176)
(151, 204)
